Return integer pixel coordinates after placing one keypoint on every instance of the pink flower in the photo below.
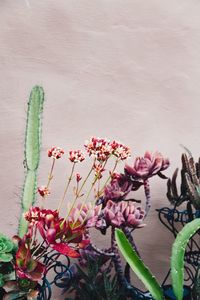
(36, 214)
(43, 191)
(120, 151)
(55, 152)
(147, 166)
(99, 148)
(123, 213)
(99, 169)
(78, 177)
(76, 156)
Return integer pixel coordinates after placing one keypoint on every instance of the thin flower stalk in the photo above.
(78, 193)
(109, 177)
(66, 188)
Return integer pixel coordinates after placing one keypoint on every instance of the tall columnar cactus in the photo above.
(32, 153)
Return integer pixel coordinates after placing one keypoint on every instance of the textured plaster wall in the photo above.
(124, 69)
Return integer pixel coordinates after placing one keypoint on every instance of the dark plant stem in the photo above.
(127, 232)
(148, 196)
(117, 259)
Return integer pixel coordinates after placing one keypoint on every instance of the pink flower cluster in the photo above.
(55, 152)
(43, 191)
(102, 149)
(76, 156)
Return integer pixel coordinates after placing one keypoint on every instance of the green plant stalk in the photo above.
(31, 153)
(177, 258)
(138, 266)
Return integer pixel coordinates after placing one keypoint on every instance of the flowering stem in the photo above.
(109, 177)
(50, 177)
(78, 193)
(66, 189)
(148, 196)
(117, 259)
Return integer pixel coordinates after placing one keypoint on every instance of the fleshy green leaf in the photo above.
(138, 266)
(6, 257)
(177, 258)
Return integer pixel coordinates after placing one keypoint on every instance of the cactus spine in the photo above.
(31, 153)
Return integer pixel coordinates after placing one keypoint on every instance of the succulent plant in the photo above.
(147, 166)
(6, 249)
(190, 183)
(177, 261)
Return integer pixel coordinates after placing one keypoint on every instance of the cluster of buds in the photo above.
(99, 169)
(35, 215)
(76, 156)
(55, 152)
(102, 149)
(120, 150)
(43, 191)
(99, 148)
(78, 177)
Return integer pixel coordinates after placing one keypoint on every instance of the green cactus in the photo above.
(32, 153)
(177, 258)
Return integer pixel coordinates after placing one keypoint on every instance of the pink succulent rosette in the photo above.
(147, 166)
(118, 214)
(124, 213)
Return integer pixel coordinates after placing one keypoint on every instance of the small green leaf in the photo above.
(6, 257)
(138, 266)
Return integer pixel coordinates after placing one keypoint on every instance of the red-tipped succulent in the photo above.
(26, 266)
(147, 166)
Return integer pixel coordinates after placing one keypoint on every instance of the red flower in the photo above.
(147, 166)
(43, 191)
(76, 156)
(120, 150)
(78, 177)
(56, 234)
(55, 152)
(99, 148)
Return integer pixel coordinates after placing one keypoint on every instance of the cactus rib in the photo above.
(31, 153)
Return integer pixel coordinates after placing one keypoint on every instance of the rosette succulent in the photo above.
(147, 166)
(6, 249)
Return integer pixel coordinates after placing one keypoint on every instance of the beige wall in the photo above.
(125, 69)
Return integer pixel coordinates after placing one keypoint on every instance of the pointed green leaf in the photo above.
(138, 266)
(177, 258)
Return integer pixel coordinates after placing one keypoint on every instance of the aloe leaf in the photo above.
(177, 257)
(32, 153)
(138, 266)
